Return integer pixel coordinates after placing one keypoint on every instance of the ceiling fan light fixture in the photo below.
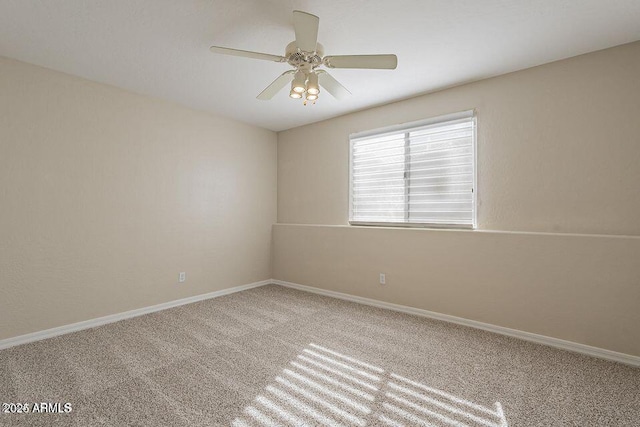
(305, 55)
(299, 81)
(312, 84)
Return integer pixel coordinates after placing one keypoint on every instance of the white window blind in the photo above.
(421, 173)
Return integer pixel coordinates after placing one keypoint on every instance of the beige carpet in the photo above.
(273, 356)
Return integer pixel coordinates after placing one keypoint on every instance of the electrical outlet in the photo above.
(182, 277)
(383, 279)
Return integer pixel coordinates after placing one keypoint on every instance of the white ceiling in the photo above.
(160, 47)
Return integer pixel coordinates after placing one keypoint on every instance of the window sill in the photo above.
(413, 225)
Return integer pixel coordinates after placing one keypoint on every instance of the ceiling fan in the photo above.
(306, 55)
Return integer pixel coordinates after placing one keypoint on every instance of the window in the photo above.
(421, 173)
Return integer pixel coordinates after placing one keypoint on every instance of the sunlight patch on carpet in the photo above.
(322, 386)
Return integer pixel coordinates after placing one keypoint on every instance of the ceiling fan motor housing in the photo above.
(305, 61)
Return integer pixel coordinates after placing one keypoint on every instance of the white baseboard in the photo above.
(92, 323)
(527, 336)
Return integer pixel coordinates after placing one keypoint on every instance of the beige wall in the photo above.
(105, 196)
(558, 152)
(579, 288)
(558, 148)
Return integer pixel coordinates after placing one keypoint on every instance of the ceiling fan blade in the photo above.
(247, 54)
(306, 26)
(332, 86)
(387, 62)
(276, 85)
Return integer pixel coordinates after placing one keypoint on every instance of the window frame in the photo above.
(406, 128)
